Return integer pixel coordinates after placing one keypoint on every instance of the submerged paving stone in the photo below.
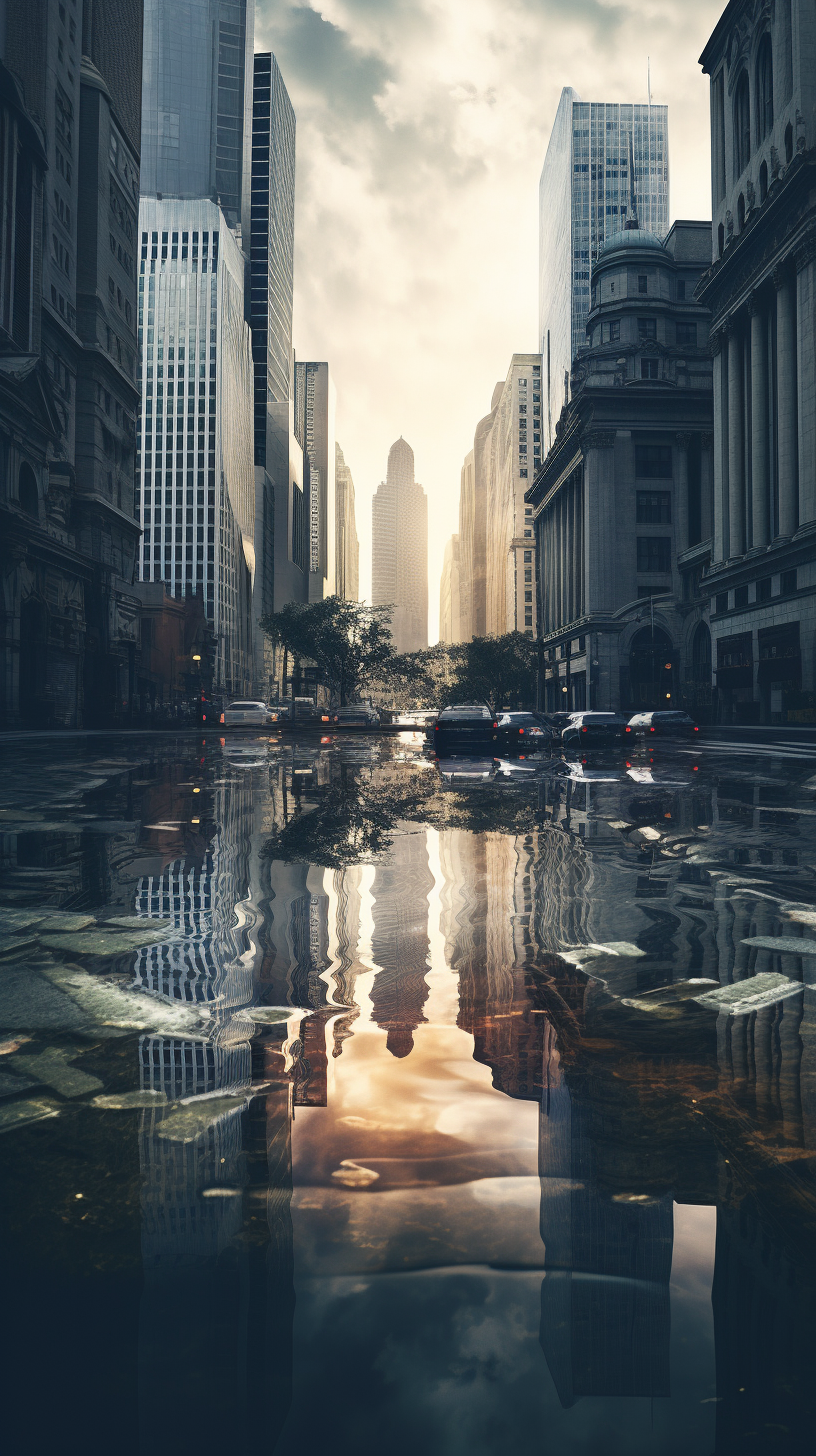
(189, 1120)
(11, 1084)
(100, 942)
(110, 1006)
(30, 1002)
(784, 944)
(751, 994)
(51, 1067)
(14, 945)
(64, 921)
(18, 1114)
(127, 1101)
(139, 923)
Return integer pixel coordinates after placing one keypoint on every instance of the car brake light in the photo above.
(521, 730)
(325, 718)
(221, 719)
(696, 730)
(628, 730)
(495, 725)
(203, 717)
(584, 730)
(651, 730)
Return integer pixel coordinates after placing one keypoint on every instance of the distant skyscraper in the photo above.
(197, 498)
(348, 547)
(449, 594)
(584, 197)
(314, 427)
(510, 457)
(400, 550)
(197, 101)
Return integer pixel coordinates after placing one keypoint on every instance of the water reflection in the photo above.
(457, 1072)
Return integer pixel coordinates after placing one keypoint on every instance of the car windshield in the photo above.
(468, 712)
(597, 718)
(247, 705)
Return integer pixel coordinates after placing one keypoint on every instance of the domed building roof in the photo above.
(631, 238)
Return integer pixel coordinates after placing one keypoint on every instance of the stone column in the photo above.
(759, 425)
(786, 400)
(707, 484)
(720, 442)
(681, 517)
(736, 444)
(599, 506)
(806, 379)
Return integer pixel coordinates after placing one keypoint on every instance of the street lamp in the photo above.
(196, 657)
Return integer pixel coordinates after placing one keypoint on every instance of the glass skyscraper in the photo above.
(197, 101)
(584, 197)
(272, 241)
(195, 486)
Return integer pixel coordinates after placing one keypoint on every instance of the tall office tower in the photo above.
(281, 574)
(584, 197)
(450, 625)
(197, 497)
(512, 454)
(71, 96)
(197, 102)
(399, 556)
(348, 547)
(314, 428)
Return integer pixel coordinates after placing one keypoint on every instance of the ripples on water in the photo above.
(356, 1101)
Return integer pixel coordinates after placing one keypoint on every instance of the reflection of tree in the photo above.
(353, 817)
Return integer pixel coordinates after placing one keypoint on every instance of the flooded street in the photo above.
(356, 1101)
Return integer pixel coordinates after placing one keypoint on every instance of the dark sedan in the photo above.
(594, 730)
(667, 724)
(468, 725)
(528, 732)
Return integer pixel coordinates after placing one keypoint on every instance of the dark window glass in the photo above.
(653, 507)
(721, 602)
(648, 369)
(643, 283)
(742, 126)
(764, 88)
(653, 461)
(764, 589)
(741, 596)
(647, 328)
(788, 582)
(654, 553)
(681, 290)
(687, 335)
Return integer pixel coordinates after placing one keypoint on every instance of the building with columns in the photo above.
(761, 290)
(622, 505)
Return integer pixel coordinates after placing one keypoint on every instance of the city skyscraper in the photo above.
(511, 455)
(450, 594)
(400, 550)
(281, 572)
(197, 102)
(197, 498)
(584, 197)
(314, 427)
(348, 546)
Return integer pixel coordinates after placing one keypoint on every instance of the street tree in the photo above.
(499, 671)
(349, 642)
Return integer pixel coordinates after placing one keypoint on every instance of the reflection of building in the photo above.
(605, 1296)
(399, 942)
(760, 288)
(400, 550)
(623, 501)
(197, 496)
(583, 198)
(348, 547)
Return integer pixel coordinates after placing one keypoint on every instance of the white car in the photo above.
(247, 715)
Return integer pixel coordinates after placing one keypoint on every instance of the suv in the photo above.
(669, 724)
(468, 724)
(247, 714)
(590, 730)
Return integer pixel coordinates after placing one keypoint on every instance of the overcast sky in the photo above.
(421, 131)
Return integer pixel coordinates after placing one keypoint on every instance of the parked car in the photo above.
(247, 714)
(528, 732)
(357, 715)
(668, 724)
(470, 725)
(559, 720)
(211, 713)
(592, 730)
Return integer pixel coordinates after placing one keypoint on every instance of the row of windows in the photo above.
(685, 334)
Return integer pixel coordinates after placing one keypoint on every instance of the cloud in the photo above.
(422, 127)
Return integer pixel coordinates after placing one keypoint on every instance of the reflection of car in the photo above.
(529, 731)
(358, 715)
(668, 724)
(280, 712)
(245, 752)
(466, 724)
(466, 770)
(590, 730)
(246, 714)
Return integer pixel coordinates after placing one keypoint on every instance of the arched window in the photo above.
(742, 126)
(764, 89)
(27, 492)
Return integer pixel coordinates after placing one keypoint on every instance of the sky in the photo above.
(421, 132)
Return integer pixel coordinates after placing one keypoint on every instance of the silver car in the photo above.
(250, 714)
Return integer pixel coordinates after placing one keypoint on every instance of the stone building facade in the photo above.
(71, 95)
(622, 505)
(761, 290)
